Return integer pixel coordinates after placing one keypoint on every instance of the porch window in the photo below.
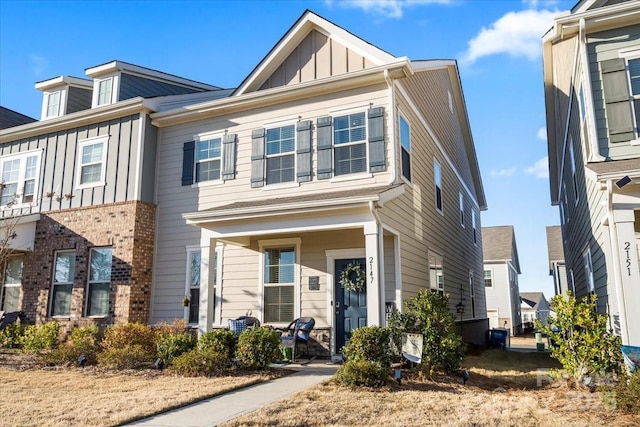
(208, 159)
(488, 278)
(437, 177)
(405, 143)
(20, 178)
(64, 270)
(280, 155)
(99, 281)
(10, 292)
(279, 284)
(436, 278)
(349, 139)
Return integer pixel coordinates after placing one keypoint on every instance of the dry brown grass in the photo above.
(94, 397)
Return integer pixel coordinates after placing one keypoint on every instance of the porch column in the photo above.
(372, 252)
(207, 296)
(628, 289)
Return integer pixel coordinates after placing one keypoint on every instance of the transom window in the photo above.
(63, 274)
(405, 143)
(488, 278)
(19, 178)
(53, 104)
(279, 284)
(12, 281)
(208, 159)
(92, 159)
(99, 282)
(349, 139)
(280, 146)
(105, 89)
(437, 176)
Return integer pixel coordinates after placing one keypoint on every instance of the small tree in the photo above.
(581, 341)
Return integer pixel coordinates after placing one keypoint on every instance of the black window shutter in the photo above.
(229, 152)
(188, 159)
(303, 151)
(376, 140)
(617, 100)
(257, 158)
(324, 134)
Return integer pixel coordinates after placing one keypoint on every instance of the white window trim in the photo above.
(358, 175)
(574, 178)
(21, 178)
(187, 280)
(278, 243)
(89, 283)
(587, 260)
(45, 106)
(435, 287)
(3, 284)
(474, 227)
(96, 91)
(103, 170)
(472, 294)
(461, 202)
(278, 125)
(403, 117)
(631, 55)
(437, 185)
(206, 137)
(53, 285)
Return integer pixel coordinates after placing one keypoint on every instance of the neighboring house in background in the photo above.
(80, 184)
(533, 306)
(592, 95)
(10, 118)
(331, 158)
(557, 266)
(501, 270)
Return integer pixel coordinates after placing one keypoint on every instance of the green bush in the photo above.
(582, 343)
(194, 363)
(370, 343)
(126, 357)
(356, 373)
(172, 345)
(628, 394)
(83, 341)
(40, 337)
(258, 347)
(219, 339)
(11, 336)
(130, 335)
(428, 314)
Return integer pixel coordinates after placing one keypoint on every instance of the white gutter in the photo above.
(392, 126)
(617, 273)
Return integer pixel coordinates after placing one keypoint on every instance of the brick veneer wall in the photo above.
(128, 227)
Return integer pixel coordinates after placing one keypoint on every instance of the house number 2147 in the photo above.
(627, 248)
(371, 268)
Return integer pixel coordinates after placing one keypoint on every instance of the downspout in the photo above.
(617, 273)
(392, 127)
(594, 153)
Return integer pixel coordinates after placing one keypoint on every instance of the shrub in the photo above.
(11, 336)
(83, 341)
(130, 335)
(428, 314)
(40, 337)
(126, 357)
(628, 394)
(220, 339)
(370, 343)
(194, 363)
(172, 345)
(582, 343)
(365, 373)
(258, 347)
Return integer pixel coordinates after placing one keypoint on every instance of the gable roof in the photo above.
(307, 22)
(10, 118)
(555, 250)
(532, 299)
(499, 244)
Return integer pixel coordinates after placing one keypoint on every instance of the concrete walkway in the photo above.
(219, 409)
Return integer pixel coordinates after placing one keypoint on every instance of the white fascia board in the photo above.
(63, 80)
(432, 64)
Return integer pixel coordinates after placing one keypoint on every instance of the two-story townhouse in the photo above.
(501, 270)
(557, 265)
(332, 160)
(534, 306)
(592, 97)
(77, 196)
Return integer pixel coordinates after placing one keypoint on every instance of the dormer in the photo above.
(117, 81)
(64, 95)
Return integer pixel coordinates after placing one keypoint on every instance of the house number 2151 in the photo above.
(627, 248)
(371, 268)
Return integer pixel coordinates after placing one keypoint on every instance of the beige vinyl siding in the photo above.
(601, 47)
(389, 269)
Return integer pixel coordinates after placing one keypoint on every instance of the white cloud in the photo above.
(539, 169)
(518, 34)
(503, 172)
(385, 8)
(542, 134)
(39, 64)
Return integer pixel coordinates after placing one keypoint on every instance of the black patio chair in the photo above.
(300, 329)
(8, 318)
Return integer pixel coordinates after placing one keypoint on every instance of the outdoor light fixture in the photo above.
(460, 307)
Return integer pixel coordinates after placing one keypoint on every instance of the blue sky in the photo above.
(497, 44)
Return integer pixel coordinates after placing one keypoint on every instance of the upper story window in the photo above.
(574, 178)
(280, 153)
(405, 144)
(437, 177)
(349, 139)
(473, 225)
(92, 156)
(634, 77)
(488, 278)
(53, 104)
(19, 178)
(105, 91)
(208, 159)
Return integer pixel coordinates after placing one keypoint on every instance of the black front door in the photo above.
(350, 306)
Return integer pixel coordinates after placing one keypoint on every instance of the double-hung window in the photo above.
(105, 91)
(634, 77)
(437, 176)
(208, 159)
(350, 144)
(12, 280)
(19, 178)
(63, 274)
(405, 144)
(99, 283)
(92, 162)
(488, 278)
(280, 154)
(279, 279)
(53, 104)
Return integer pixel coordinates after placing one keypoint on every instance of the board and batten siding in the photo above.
(59, 165)
(601, 47)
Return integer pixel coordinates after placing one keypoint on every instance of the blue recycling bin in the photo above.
(498, 338)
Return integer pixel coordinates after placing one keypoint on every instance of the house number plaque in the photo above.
(314, 283)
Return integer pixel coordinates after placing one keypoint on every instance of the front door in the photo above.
(350, 306)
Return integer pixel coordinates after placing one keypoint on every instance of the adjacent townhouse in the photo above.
(592, 97)
(10, 118)
(77, 203)
(534, 306)
(333, 163)
(501, 270)
(557, 265)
